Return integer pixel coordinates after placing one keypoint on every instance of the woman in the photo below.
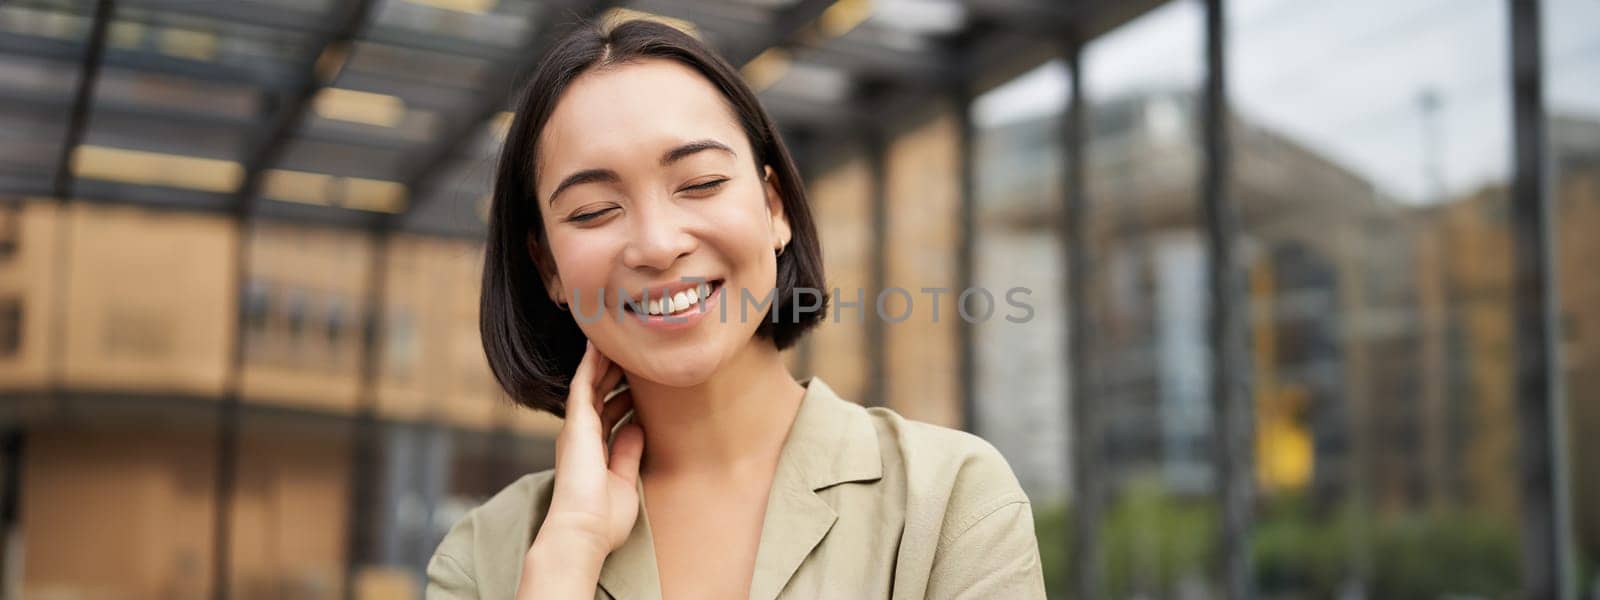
(643, 203)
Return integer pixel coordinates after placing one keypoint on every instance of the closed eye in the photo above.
(709, 185)
(589, 216)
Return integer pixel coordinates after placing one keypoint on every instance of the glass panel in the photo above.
(34, 111)
(406, 64)
(40, 78)
(151, 114)
(341, 159)
(368, 119)
(1572, 97)
(811, 82)
(50, 20)
(1148, 301)
(1022, 369)
(1371, 145)
(472, 27)
(216, 39)
(176, 98)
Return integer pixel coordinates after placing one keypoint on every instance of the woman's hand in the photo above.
(596, 496)
(595, 500)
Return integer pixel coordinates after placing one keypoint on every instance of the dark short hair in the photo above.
(534, 346)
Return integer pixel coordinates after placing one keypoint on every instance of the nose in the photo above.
(658, 237)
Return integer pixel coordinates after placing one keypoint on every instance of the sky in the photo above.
(1347, 80)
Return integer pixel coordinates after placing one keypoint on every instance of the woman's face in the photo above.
(646, 178)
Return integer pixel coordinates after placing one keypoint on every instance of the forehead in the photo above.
(633, 110)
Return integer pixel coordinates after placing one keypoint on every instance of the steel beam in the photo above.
(326, 57)
(83, 99)
(1548, 564)
(966, 258)
(435, 158)
(33, 46)
(876, 148)
(1086, 454)
(1233, 410)
(785, 29)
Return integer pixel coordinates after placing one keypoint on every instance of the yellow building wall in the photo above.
(149, 300)
(923, 205)
(433, 365)
(290, 516)
(1479, 259)
(116, 514)
(326, 272)
(841, 203)
(28, 277)
(1577, 254)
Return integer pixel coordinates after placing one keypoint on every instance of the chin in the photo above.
(678, 374)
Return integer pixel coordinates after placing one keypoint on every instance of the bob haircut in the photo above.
(534, 346)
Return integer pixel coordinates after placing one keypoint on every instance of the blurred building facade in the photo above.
(297, 404)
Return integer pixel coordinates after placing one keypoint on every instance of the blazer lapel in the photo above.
(832, 441)
(629, 572)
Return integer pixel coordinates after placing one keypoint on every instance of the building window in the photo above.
(10, 326)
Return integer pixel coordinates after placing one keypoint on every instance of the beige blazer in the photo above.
(864, 504)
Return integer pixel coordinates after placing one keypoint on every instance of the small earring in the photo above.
(778, 251)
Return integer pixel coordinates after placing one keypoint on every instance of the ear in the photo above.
(775, 212)
(547, 271)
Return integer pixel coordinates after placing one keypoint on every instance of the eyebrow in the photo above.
(667, 159)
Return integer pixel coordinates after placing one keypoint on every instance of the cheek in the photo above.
(582, 261)
(741, 225)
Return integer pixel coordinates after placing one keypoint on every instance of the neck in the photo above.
(734, 421)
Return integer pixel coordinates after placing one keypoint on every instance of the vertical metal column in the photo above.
(1087, 447)
(1547, 555)
(83, 99)
(434, 460)
(1233, 414)
(877, 354)
(228, 414)
(14, 448)
(966, 257)
(361, 545)
(803, 148)
(324, 58)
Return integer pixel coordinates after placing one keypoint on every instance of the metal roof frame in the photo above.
(887, 83)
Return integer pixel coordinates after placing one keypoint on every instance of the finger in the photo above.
(626, 451)
(580, 392)
(605, 388)
(615, 409)
(608, 382)
(588, 366)
(602, 365)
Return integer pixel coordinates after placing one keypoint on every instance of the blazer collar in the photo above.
(831, 441)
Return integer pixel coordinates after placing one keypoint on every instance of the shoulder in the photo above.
(494, 536)
(968, 527)
(930, 450)
(956, 474)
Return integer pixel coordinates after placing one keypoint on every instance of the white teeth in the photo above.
(680, 301)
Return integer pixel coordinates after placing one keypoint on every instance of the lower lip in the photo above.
(683, 320)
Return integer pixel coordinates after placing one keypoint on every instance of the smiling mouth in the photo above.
(681, 303)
